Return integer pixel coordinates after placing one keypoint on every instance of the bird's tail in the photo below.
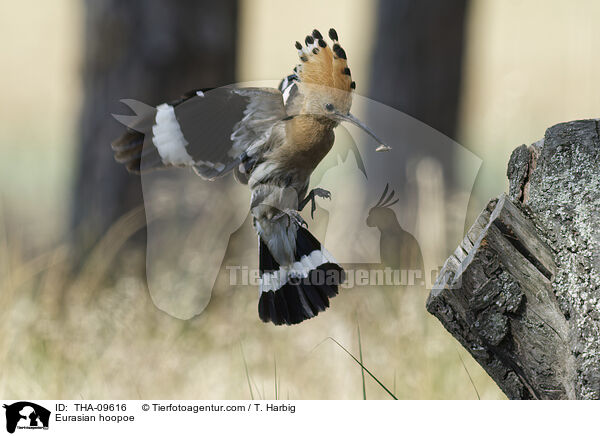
(128, 150)
(290, 294)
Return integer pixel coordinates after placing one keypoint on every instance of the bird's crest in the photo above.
(325, 68)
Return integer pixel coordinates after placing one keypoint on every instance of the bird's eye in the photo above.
(329, 107)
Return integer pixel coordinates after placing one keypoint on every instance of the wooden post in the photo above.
(522, 291)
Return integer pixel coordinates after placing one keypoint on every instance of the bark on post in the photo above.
(522, 291)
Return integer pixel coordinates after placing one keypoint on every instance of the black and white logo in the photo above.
(26, 415)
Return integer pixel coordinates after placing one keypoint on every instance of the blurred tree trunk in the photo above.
(417, 60)
(152, 51)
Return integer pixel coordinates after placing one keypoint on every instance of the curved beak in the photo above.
(352, 119)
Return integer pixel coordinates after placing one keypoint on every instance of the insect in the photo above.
(271, 140)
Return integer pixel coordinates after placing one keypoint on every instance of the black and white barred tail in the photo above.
(294, 293)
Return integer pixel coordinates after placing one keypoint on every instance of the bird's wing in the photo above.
(264, 110)
(289, 88)
(206, 130)
(189, 222)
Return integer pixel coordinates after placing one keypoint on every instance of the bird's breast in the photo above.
(308, 139)
(294, 154)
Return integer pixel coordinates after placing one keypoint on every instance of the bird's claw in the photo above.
(317, 192)
(293, 217)
(320, 192)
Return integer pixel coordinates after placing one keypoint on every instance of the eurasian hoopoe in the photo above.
(272, 139)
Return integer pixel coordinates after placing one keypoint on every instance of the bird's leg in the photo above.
(319, 192)
(293, 217)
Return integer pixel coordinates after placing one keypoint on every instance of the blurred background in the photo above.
(76, 315)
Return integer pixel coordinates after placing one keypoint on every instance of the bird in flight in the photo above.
(272, 140)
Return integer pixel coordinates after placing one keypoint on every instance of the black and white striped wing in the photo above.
(289, 88)
(205, 130)
(189, 223)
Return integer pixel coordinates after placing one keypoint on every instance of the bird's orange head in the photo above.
(325, 84)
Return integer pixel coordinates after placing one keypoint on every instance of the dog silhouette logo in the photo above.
(26, 415)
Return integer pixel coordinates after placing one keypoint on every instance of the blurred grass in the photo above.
(98, 335)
